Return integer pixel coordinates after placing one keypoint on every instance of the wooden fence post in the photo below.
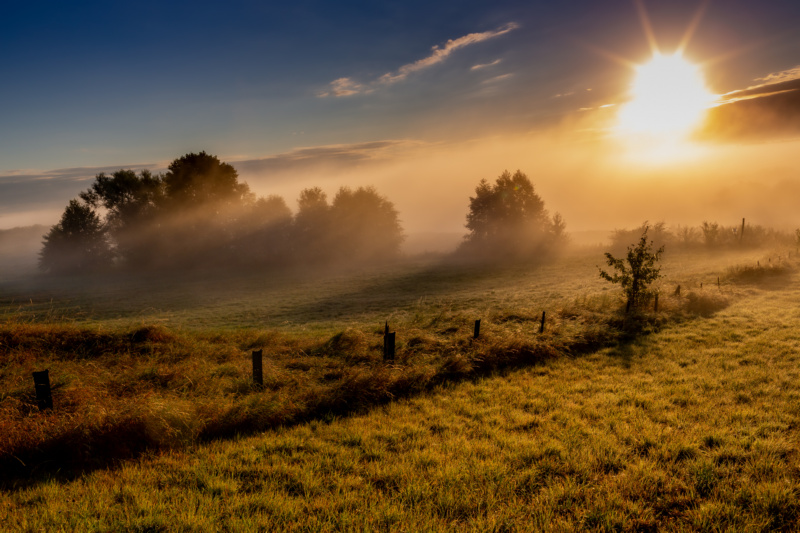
(388, 346)
(655, 307)
(258, 374)
(541, 327)
(41, 383)
(477, 329)
(741, 233)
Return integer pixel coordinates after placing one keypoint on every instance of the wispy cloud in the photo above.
(337, 155)
(22, 189)
(765, 110)
(485, 65)
(778, 77)
(348, 87)
(345, 87)
(774, 83)
(499, 78)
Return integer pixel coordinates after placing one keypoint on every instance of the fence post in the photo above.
(388, 346)
(258, 374)
(477, 329)
(741, 233)
(655, 307)
(41, 383)
(541, 327)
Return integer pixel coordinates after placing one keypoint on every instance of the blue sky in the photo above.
(90, 86)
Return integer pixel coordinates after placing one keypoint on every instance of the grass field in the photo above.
(688, 423)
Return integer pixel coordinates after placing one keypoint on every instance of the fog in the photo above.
(595, 182)
(595, 179)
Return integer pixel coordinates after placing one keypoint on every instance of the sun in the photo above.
(669, 98)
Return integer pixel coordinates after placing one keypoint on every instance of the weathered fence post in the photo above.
(741, 233)
(718, 285)
(655, 306)
(258, 373)
(388, 346)
(477, 329)
(41, 383)
(541, 327)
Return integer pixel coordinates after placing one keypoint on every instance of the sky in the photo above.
(421, 100)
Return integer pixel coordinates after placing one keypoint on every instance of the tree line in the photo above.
(708, 235)
(198, 214)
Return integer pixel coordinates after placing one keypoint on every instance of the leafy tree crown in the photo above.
(637, 271)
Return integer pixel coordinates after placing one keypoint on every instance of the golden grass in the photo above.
(120, 391)
(676, 423)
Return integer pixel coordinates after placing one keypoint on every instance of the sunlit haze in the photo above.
(669, 97)
(600, 108)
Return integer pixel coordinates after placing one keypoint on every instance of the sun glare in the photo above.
(669, 98)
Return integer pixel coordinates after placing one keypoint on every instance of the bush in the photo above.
(639, 273)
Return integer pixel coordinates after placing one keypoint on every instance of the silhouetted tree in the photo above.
(509, 218)
(201, 179)
(77, 243)
(365, 226)
(198, 213)
(637, 271)
(264, 232)
(311, 231)
(203, 201)
(132, 205)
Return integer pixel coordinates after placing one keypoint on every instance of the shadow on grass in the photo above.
(387, 293)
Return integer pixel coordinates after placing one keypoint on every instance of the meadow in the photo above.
(681, 419)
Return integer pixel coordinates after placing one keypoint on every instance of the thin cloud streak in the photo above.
(20, 190)
(337, 155)
(785, 75)
(485, 65)
(348, 87)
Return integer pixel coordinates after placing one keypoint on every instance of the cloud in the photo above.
(19, 188)
(28, 196)
(344, 87)
(784, 75)
(348, 87)
(499, 78)
(759, 112)
(328, 156)
(485, 65)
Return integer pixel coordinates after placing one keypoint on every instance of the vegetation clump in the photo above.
(758, 273)
(637, 271)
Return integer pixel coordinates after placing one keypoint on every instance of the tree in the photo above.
(639, 273)
(509, 218)
(365, 226)
(311, 229)
(710, 233)
(201, 179)
(132, 205)
(77, 243)
(264, 232)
